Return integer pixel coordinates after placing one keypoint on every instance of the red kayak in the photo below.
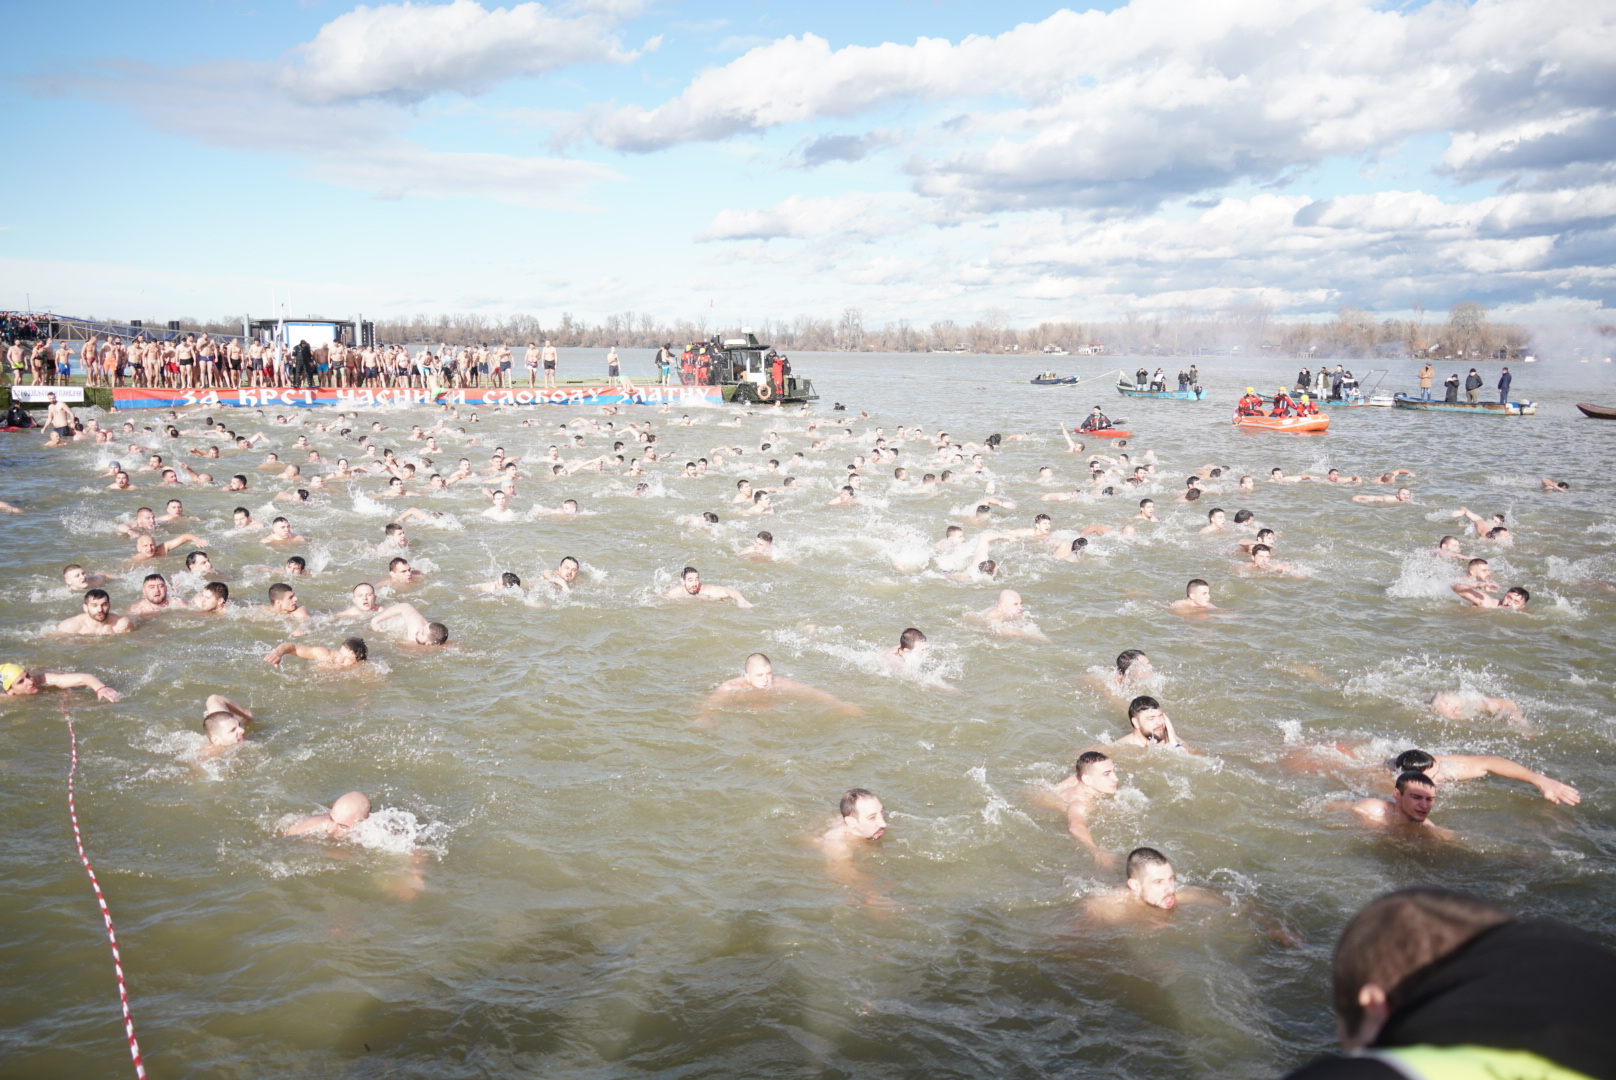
(1105, 433)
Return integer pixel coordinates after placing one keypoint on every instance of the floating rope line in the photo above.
(106, 916)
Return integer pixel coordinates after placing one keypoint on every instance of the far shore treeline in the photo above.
(1465, 332)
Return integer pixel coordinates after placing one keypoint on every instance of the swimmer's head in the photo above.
(1416, 795)
(912, 641)
(75, 577)
(987, 567)
(1146, 716)
(1096, 771)
(953, 530)
(1515, 598)
(296, 565)
(863, 815)
(1413, 761)
(1134, 664)
(213, 597)
(1079, 544)
(759, 671)
(14, 679)
(508, 580)
(1198, 590)
(223, 729)
(1448, 543)
(1151, 878)
(1192, 495)
(350, 809)
(1215, 515)
(355, 648)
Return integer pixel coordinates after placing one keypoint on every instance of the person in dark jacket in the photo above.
(1473, 387)
(1436, 985)
(302, 364)
(1451, 385)
(1503, 387)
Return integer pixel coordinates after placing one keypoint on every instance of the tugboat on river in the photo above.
(745, 370)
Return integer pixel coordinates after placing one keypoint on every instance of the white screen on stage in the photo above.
(315, 333)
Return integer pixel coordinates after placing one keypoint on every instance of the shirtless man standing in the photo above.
(1093, 777)
(690, 587)
(759, 683)
(349, 810)
(59, 422)
(98, 617)
(1151, 892)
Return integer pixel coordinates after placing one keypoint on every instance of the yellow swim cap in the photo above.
(9, 674)
(1251, 390)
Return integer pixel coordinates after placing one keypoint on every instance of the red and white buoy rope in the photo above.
(106, 916)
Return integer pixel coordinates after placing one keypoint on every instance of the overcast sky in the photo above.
(915, 160)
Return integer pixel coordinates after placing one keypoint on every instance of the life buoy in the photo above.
(762, 391)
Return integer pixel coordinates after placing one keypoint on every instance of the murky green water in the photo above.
(609, 890)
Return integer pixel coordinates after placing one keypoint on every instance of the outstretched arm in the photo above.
(168, 546)
(220, 703)
(1078, 826)
(1467, 767)
(68, 680)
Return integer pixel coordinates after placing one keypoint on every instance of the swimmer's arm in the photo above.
(1077, 825)
(1468, 592)
(320, 823)
(220, 703)
(302, 652)
(814, 693)
(180, 541)
(69, 680)
(1469, 767)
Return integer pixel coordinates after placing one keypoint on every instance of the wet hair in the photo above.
(988, 566)
(1216, 473)
(219, 589)
(1042, 517)
(1272, 471)
(1079, 544)
(1243, 516)
(1473, 563)
(1191, 481)
(766, 536)
(154, 577)
(710, 517)
(984, 508)
(906, 640)
(1443, 542)
(759, 496)
(393, 529)
(1087, 762)
(279, 590)
(509, 580)
(1141, 857)
(357, 647)
(297, 561)
(436, 633)
(1264, 548)
(1140, 704)
(743, 483)
(1192, 494)
(1214, 510)
(565, 559)
(952, 529)
(1146, 502)
(1264, 532)
(97, 594)
(1412, 761)
(1494, 533)
(687, 571)
(396, 562)
(1113, 491)
(216, 722)
(1126, 658)
(1404, 779)
(850, 800)
(1399, 936)
(1522, 593)
(1194, 582)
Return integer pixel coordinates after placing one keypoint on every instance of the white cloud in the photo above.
(800, 219)
(1165, 97)
(355, 144)
(409, 51)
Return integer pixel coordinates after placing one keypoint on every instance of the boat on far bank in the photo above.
(1598, 412)
(1482, 408)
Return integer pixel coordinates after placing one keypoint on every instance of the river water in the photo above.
(567, 876)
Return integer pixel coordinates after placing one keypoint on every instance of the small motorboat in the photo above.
(1049, 378)
(1294, 425)
(1598, 412)
(1479, 408)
